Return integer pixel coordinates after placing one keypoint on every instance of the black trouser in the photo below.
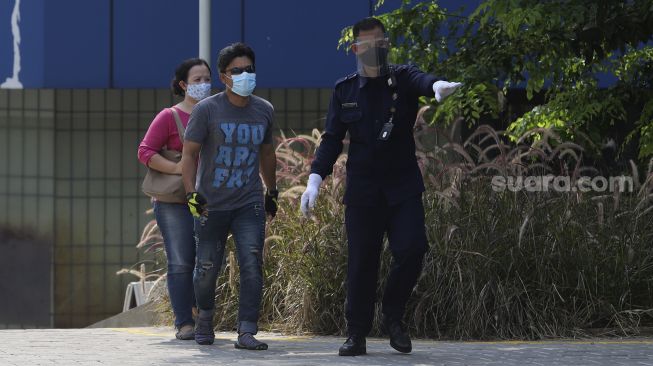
(404, 224)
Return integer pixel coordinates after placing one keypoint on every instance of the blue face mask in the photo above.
(243, 84)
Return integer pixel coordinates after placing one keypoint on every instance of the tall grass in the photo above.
(517, 265)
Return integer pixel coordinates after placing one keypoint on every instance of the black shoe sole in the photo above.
(349, 353)
(260, 347)
(401, 349)
(190, 338)
(386, 331)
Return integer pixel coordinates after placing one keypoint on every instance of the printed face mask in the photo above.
(244, 83)
(199, 91)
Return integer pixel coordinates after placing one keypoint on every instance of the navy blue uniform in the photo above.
(384, 187)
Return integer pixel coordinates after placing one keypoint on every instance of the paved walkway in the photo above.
(157, 346)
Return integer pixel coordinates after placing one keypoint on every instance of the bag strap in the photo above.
(180, 126)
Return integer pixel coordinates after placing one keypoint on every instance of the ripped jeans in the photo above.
(247, 224)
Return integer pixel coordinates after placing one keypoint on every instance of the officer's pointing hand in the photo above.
(443, 89)
(310, 194)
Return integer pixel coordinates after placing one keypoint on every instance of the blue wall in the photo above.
(150, 38)
(31, 25)
(69, 43)
(76, 43)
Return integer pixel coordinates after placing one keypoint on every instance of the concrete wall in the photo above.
(69, 174)
(26, 280)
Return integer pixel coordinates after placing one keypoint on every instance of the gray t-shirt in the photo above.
(228, 174)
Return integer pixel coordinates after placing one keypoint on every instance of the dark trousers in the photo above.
(404, 225)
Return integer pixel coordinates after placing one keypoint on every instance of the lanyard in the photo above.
(386, 131)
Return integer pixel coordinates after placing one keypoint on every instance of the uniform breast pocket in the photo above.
(351, 115)
(352, 119)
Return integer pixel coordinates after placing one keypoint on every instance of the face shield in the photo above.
(372, 57)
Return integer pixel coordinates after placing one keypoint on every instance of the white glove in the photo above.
(443, 89)
(310, 194)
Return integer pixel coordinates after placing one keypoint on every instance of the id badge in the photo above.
(386, 131)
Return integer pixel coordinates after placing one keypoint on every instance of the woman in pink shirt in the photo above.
(192, 81)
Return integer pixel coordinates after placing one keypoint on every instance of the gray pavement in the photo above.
(157, 346)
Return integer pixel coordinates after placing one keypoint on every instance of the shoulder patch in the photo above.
(401, 68)
(346, 78)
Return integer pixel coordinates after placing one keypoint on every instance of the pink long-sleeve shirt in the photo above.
(162, 132)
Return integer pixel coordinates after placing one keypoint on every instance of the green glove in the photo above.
(196, 204)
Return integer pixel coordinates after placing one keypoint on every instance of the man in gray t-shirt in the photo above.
(231, 136)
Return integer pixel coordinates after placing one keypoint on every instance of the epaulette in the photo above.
(348, 77)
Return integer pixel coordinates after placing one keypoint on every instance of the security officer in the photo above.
(377, 106)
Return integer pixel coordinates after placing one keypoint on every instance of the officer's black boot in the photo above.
(354, 346)
(399, 338)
